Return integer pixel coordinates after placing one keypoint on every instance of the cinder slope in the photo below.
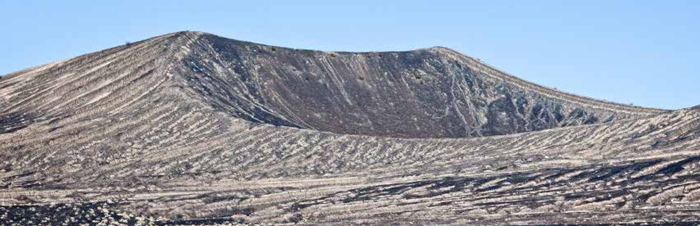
(428, 93)
(183, 127)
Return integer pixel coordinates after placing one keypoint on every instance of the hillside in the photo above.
(194, 128)
(427, 93)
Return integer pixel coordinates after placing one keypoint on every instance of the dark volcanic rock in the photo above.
(430, 93)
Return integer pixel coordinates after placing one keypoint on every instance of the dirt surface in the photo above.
(191, 128)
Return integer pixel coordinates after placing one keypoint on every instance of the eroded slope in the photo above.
(427, 93)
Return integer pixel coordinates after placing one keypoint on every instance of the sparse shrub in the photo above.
(296, 218)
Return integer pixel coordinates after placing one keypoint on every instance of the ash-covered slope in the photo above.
(433, 92)
(184, 127)
(428, 93)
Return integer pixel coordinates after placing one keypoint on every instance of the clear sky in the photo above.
(641, 52)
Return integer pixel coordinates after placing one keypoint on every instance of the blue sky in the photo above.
(641, 52)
